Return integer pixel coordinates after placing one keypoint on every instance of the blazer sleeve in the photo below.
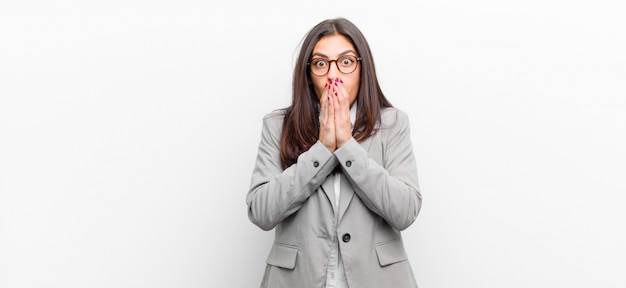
(275, 193)
(389, 189)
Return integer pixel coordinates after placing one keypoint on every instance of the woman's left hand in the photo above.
(341, 105)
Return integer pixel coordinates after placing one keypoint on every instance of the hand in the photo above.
(327, 120)
(335, 126)
(341, 104)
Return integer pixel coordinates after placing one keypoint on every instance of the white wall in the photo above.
(128, 132)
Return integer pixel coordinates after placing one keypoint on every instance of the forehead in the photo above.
(333, 46)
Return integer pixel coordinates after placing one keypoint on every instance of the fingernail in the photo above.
(335, 93)
(325, 85)
(340, 81)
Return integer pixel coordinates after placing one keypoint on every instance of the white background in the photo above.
(128, 132)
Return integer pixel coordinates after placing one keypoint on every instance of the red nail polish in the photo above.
(335, 93)
(325, 85)
(340, 81)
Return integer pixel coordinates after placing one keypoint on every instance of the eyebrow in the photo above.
(340, 54)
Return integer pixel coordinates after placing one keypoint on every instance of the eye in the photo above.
(347, 61)
(319, 63)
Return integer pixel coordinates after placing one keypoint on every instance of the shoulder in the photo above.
(391, 116)
(273, 121)
(275, 117)
(276, 113)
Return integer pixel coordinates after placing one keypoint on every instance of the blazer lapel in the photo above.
(347, 193)
(329, 190)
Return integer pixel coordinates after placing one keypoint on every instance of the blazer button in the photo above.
(348, 163)
(346, 237)
(315, 164)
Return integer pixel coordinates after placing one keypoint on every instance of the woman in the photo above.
(335, 174)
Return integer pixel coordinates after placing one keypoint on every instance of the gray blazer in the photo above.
(379, 198)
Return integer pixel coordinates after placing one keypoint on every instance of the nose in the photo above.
(333, 70)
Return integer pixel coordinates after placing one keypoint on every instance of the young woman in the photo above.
(335, 174)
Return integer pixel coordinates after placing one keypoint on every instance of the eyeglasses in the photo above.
(346, 64)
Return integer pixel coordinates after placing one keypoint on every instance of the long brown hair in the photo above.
(301, 122)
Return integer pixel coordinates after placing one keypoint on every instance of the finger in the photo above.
(327, 125)
(335, 102)
(343, 126)
(343, 103)
(342, 93)
(331, 105)
(324, 97)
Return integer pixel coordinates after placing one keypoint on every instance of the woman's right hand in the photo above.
(327, 120)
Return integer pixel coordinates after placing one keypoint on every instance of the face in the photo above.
(333, 47)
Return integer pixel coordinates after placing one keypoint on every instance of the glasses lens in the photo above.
(319, 66)
(347, 64)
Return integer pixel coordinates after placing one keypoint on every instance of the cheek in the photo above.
(318, 86)
(354, 89)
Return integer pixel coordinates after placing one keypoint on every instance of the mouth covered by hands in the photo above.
(335, 126)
